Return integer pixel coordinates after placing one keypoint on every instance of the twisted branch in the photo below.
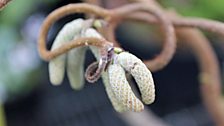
(151, 12)
(158, 63)
(169, 36)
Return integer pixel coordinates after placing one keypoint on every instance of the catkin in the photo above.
(75, 67)
(57, 65)
(141, 74)
(90, 32)
(118, 106)
(122, 90)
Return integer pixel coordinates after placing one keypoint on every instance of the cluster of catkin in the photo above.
(114, 77)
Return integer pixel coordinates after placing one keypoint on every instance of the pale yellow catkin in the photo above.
(122, 89)
(57, 65)
(90, 32)
(75, 67)
(141, 74)
(119, 107)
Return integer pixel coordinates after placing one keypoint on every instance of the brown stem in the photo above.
(209, 70)
(204, 24)
(48, 55)
(210, 75)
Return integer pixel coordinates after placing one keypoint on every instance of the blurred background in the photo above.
(28, 99)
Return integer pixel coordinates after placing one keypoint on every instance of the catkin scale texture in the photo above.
(118, 106)
(122, 90)
(141, 74)
(57, 65)
(143, 78)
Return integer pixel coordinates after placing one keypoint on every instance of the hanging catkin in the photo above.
(141, 74)
(122, 89)
(57, 65)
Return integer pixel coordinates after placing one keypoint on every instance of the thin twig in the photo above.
(210, 74)
(158, 63)
(93, 73)
(208, 62)
(204, 24)
(48, 55)
(169, 36)
(210, 78)
(61, 12)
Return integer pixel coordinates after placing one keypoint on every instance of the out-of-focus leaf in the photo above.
(198, 8)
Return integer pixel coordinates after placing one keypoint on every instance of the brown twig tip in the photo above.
(93, 72)
(3, 3)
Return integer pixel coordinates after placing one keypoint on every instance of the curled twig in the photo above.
(210, 75)
(151, 13)
(59, 13)
(94, 70)
(170, 40)
(92, 73)
(156, 64)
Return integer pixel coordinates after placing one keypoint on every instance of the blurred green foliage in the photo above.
(13, 80)
(17, 11)
(199, 8)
